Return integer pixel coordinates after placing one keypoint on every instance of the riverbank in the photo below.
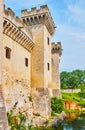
(56, 120)
(51, 123)
(74, 101)
(77, 123)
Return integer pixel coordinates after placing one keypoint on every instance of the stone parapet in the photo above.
(13, 28)
(39, 16)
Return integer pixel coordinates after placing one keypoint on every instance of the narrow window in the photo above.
(48, 40)
(8, 52)
(26, 62)
(48, 65)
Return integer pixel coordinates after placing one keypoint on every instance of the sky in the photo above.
(69, 18)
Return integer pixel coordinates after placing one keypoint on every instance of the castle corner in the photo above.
(29, 63)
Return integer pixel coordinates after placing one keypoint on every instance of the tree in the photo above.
(74, 79)
(64, 78)
(73, 82)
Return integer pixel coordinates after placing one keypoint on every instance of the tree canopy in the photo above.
(74, 79)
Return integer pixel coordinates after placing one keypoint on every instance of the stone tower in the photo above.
(3, 118)
(42, 27)
(56, 53)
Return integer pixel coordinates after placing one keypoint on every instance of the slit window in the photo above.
(48, 66)
(8, 52)
(26, 62)
(48, 40)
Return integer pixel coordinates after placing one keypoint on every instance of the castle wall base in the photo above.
(42, 102)
(3, 118)
(56, 93)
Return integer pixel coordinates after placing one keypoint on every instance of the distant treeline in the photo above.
(72, 80)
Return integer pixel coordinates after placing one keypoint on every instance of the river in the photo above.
(76, 122)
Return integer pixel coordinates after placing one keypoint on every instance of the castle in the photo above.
(29, 62)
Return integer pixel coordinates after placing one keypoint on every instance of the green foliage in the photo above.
(72, 111)
(16, 122)
(57, 105)
(81, 94)
(73, 79)
(43, 128)
(71, 96)
(82, 87)
(40, 128)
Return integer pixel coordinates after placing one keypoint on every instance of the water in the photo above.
(75, 123)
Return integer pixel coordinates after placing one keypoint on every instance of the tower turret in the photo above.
(56, 53)
(39, 16)
(42, 27)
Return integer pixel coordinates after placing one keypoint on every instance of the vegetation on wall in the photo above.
(57, 105)
(16, 121)
(74, 79)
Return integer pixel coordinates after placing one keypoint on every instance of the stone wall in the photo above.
(41, 76)
(18, 79)
(41, 56)
(42, 26)
(16, 75)
(55, 71)
(70, 90)
(47, 59)
(3, 118)
(38, 57)
(41, 105)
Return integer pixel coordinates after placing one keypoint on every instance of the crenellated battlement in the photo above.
(39, 16)
(34, 11)
(10, 12)
(57, 48)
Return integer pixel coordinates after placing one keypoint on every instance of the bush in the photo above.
(16, 122)
(57, 105)
(81, 94)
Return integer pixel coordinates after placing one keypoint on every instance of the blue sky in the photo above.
(69, 17)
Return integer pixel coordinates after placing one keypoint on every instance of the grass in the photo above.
(71, 96)
(72, 111)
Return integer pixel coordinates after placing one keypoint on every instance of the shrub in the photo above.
(57, 105)
(81, 94)
(16, 122)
